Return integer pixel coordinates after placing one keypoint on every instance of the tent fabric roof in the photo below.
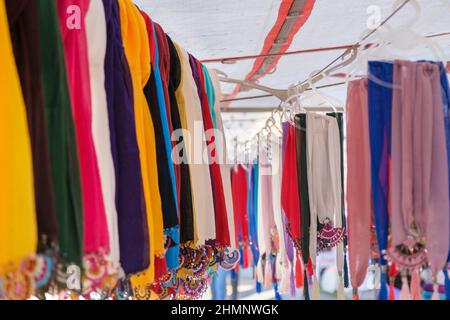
(217, 28)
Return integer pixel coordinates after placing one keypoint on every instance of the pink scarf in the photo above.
(71, 16)
(419, 162)
(270, 233)
(359, 204)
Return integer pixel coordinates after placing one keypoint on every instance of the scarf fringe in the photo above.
(160, 266)
(340, 290)
(346, 276)
(292, 283)
(416, 293)
(435, 295)
(383, 294)
(447, 284)
(268, 277)
(306, 286)
(277, 293)
(299, 279)
(316, 289)
(247, 257)
(355, 294)
(284, 283)
(258, 287)
(405, 293)
(259, 273)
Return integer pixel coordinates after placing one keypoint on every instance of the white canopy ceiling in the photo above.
(211, 29)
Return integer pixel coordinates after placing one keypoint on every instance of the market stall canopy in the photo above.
(215, 30)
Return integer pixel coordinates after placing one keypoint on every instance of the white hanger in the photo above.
(316, 93)
(392, 41)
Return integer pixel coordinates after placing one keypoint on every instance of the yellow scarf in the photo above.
(137, 50)
(18, 230)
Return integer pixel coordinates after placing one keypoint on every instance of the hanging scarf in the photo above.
(210, 92)
(240, 201)
(61, 134)
(277, 172)
(191, 116)
(130, 202)
(420, 209)
(187, 232)
(288, 198)
(324, 186)
(96, 238)
(358, 182)
(380, 113)
(253, 190)
(260, 267)
(222, 233)
(18, 230)
(445, 88)
(302, 177)
(340, 121)
(23, 21)
(222, 152)
(155, 98)
(159, 68)
(135, 41)
(164, 68)
(289, 190)
(97, 44)
(268, 221)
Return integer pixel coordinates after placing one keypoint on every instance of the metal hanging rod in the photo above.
(270, 95)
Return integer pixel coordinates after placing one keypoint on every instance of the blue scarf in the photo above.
(380, 115)
(173, 251)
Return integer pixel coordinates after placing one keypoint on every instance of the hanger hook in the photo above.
(311, 83)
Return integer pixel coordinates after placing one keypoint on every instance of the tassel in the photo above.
(447, 284)
(273, 267)
(278, 269)
(258, 287)
(376, 278)
(405, 294)
(268, 275)
(277, 293)
(391, 276)
(340, 290)
(298, 274)
(284, 284)
(241, 254)
(355, 294)
(346, 277)
(310, 268)
(292, 283)
(246, 257)
(306, 286)
(160, 266)
(415, 286)
(435, 295)
(173, 251)
(383, 294)
(316, 289)
(172, 258)
(259, 272)
(391, 291)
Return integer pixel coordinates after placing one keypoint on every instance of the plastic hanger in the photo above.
(314, 92)
(391, 43)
